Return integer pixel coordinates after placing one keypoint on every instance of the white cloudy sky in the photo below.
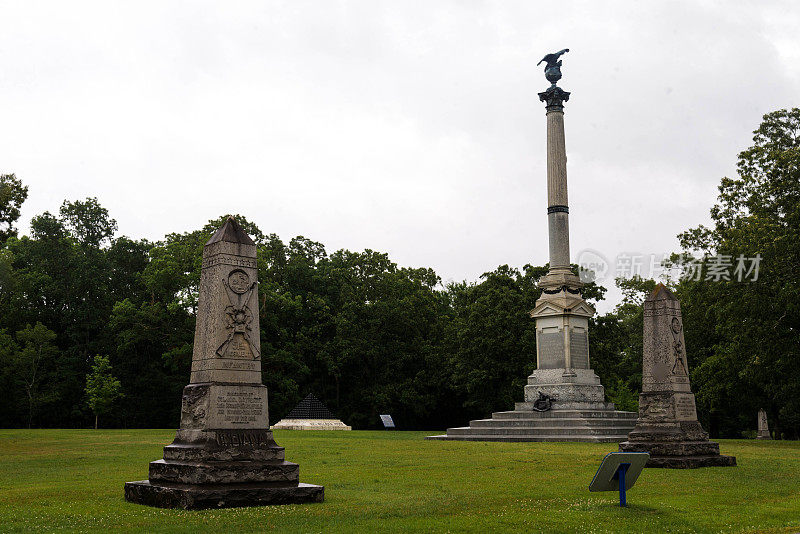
(407, 127)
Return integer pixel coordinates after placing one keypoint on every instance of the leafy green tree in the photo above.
(745, 337)
(12, 196)
(102, 389)
(33, 362)
(67, 275)
(152, 357)
(8, 379)
(492, 340)
(88, 222)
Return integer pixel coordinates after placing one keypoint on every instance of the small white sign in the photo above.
(387, 421)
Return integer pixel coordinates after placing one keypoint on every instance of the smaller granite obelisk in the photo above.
(223, 454)
(667, 427)
(763, 427)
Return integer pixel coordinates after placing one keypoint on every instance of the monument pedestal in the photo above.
(578, 410)
(222, 468)
(684, 447)
(579, 413)
(667, 427)
(168, 495)
(223, 454)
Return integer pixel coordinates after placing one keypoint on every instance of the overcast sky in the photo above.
(412, 128)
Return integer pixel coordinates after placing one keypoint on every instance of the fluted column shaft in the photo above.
(557, 204)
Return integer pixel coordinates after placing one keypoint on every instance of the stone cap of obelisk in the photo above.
(662, 292)
(230, 232)
(664, 364)
(227, 346)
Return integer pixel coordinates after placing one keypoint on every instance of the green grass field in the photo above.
(71, 480)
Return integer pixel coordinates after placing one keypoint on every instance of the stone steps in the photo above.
(539, 423)
(204, 453)
(223, 472)
(220, 495)
(565, 414)
(523, 438)
(538, 431)
(581, 425)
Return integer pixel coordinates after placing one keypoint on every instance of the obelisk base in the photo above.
(222, 469)
(197, 497)
(681, 455)
(680, 445)
(211, 467)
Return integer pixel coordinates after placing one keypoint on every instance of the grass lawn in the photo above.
(72, 480)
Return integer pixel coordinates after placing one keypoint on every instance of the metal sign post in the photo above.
(618, 472)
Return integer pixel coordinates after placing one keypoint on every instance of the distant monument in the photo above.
(564, 400)
(310, 414)
(763, 427)
(223, 454)
(667, 427)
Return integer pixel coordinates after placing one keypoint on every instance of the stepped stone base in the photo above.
(672, 452)
(579, 413)
(195, 497)
(596, 424)
(222, 469)
(310, 424)
(680, 445)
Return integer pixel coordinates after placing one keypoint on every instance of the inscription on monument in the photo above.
(579, 349)
(242, 438)
(551, 350)
(684, 407)
(239, 365)
(239, 348)
(225, 259)
(240, 406)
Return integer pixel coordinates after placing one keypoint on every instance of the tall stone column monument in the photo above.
(668, 427)
(564, 400)
(561, 314)
(223, 454)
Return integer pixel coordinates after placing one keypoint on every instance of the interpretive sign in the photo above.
(619, 472)
(387, 422)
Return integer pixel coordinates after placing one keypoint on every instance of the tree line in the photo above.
(92, 323)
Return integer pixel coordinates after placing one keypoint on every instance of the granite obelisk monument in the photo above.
(763, 426)
(223, 454)
(564, 400)
(667, 427)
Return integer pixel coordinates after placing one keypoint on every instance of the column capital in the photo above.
(554, 97)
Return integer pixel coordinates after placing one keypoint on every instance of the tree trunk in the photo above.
(338, 408)
(95, 421)
(30, 409)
